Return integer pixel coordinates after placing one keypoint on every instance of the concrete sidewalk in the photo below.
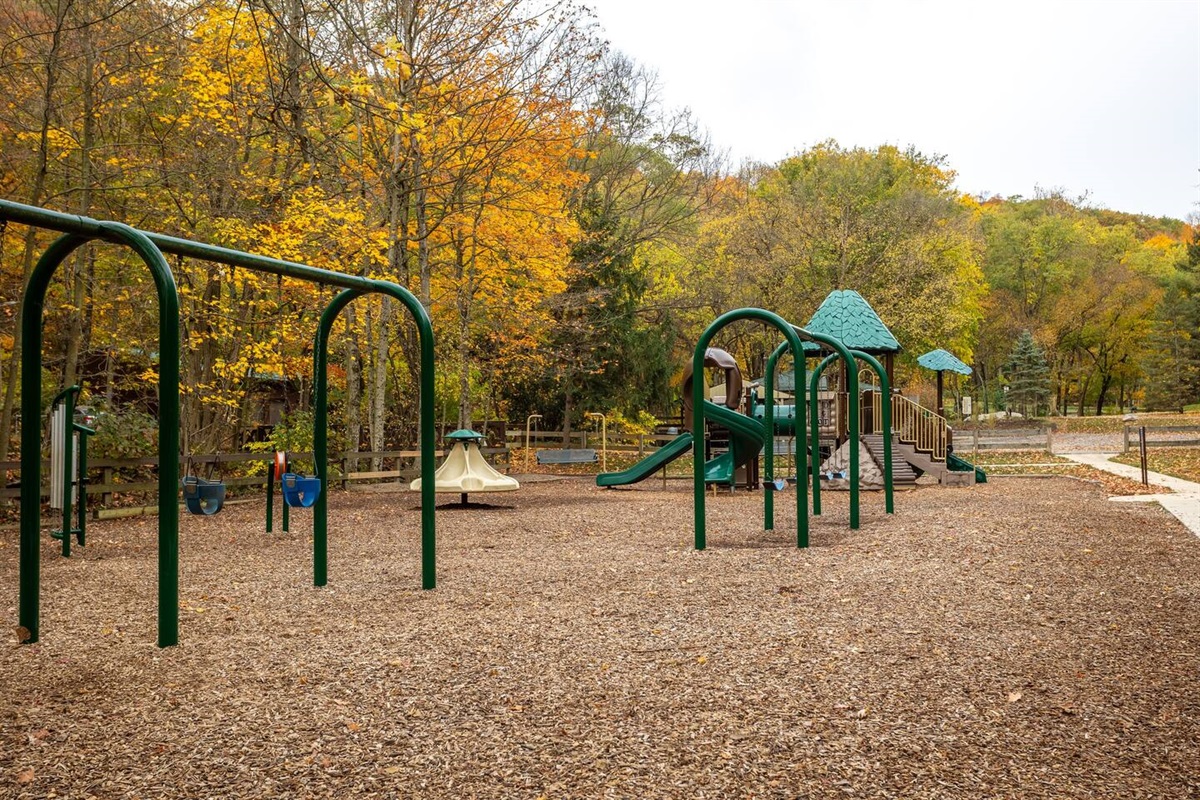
(1184, 503)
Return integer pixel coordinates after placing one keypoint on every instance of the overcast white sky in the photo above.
(1101, 97)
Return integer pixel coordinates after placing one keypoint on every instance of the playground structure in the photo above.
(743, 444)
(754, 432)
(466, 471)
(150, 247)
(893, 431)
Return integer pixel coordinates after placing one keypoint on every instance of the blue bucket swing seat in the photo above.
(203, 497)
(300, 491)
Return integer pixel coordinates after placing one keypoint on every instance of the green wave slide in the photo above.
(746, 436)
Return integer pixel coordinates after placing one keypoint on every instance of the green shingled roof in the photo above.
(939, 360)
(846, 316)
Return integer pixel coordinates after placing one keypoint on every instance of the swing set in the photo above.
(207, 496)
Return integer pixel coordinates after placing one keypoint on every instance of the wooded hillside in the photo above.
(570, 235)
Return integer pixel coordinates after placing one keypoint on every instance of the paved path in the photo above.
(1184, 503)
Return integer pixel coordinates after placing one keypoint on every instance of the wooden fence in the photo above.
(1004, 439)
(1163, 436)
(398, 465)
(616, 442)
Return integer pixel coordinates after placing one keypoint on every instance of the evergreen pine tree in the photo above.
(1028, 375)
(1172, 363)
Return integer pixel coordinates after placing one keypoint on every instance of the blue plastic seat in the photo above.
(299, 490)
(203, 497)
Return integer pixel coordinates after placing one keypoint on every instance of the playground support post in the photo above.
(79, 232)
(844, 353)
(698, 415)
(528, 420)
(603, 438)
(426, 426)
(852, 390)
(769, 455)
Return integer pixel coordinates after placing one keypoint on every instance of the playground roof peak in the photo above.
(941, 361)
(846, 316)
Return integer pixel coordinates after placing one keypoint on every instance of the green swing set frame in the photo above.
(150, 247)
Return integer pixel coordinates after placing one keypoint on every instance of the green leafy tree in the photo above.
(1172, 363)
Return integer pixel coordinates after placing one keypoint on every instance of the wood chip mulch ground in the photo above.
(1025, 638)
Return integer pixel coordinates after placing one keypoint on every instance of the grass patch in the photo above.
(1116, 423)
(986, 458)
(1113, 484)
(1178, 462)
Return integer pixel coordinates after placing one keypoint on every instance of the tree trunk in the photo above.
(379, 382)
(1105, 383)
(464, 338)
(1083, 390)
(79, 289)
(36, 196)
(353, 389)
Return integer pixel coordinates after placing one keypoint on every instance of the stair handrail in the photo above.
(924, 429)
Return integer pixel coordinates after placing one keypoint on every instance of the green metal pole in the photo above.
(843, 353)
(426, 426)
(698, 409)
(68, 477)
(270, 494)
(321, 432)
(815, 433)
(95, 229)
(81, 506)
(32, 306)
(67, 398)
(769, 459)
(886, 390)
(168, 426)
(286, 507)
(802, 523)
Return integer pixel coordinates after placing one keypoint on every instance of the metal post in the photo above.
(427, 428)
(68, 467)
(270, 495)
(1142, 451)
(886, 412)
(528, 420)
(603, 439)
(81, 230)
(81, 503)
(699, 414)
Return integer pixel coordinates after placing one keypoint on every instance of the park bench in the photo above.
(567, 456)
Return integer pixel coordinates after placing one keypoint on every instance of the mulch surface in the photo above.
(1024, 638)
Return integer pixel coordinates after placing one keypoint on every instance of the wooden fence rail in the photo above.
(344, 470)
(1155, 437)
(1004, 439)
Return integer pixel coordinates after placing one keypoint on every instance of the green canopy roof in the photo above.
(464, 435)
(941, 361)
(846, 316)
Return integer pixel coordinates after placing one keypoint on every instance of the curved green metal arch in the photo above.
(426, 425)
(769, 456)
(32, 311)
(698, 416)
(853, 411)
(844, 353)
